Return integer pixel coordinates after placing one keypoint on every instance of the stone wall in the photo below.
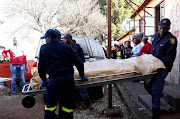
(172, 11)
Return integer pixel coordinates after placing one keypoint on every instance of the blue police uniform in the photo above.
(77, 48)
(164, 48)
(57, 60)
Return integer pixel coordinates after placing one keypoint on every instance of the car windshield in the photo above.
(41, 42)
(81, 41)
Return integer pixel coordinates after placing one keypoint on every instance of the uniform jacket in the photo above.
(57, 58)
(77, 48)
(164, 48)
(146, 49)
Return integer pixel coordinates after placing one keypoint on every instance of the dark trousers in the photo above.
(61, 89)
(155, 87)
(83, 93)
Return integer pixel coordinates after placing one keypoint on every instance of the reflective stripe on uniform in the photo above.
(67, 110)
(50, 109)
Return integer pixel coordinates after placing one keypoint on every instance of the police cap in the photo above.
(50, 33)
(58, 33)
(165, 23)
(68, 35)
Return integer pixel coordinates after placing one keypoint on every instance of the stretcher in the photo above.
(92, 82)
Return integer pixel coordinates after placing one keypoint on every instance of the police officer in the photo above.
(68, 39)
(57, 60)
(58, 35)
(164, 48)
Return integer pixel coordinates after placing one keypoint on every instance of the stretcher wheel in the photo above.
(28, 101)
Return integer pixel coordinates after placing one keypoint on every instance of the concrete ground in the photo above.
(130, 92)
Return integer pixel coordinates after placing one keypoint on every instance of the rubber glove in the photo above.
(84, 78)
(43, 83)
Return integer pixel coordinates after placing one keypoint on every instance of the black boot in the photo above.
(156, 113)
(88, 105)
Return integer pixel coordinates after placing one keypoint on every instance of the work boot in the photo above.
(88, 105)
(156, 113)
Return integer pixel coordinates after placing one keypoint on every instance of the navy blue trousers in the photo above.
(60, 89)
(83, 93)
(156, 86)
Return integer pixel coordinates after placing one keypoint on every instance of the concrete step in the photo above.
(172, 96)
(146, 101)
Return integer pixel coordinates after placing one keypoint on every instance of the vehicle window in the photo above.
(1, 56)
(81, 41)
(41, 42)
(96, 48)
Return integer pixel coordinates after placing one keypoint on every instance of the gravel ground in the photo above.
(13, 109)
(101, 105)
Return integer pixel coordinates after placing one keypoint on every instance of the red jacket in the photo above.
(146, 49)
(20, 60)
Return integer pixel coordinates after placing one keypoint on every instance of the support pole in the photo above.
(109, 52)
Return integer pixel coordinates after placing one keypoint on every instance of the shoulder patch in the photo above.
(152, 39)
(172, 40)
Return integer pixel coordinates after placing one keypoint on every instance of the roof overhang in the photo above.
(126, 34)
(140, 8)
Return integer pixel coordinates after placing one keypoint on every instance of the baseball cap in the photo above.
(68, 35)
(165, 23)
(58, 33)
(50, 33)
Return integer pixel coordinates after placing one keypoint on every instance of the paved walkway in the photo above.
(130, 92)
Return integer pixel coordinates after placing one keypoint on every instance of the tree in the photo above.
(84, 17)
(119, 11)
(73, 16)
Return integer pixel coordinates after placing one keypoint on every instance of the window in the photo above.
(141, 25)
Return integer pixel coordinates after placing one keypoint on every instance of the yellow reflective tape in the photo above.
(50, 109)
(67, 110)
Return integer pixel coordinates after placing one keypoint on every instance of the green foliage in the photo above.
(120, 10)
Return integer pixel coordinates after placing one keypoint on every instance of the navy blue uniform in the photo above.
(57, 60)
(77, 48)
(164, 48)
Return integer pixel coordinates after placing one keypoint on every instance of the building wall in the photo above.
(126, 38)
(150, 20)
(172, 11)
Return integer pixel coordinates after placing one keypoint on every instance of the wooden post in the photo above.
(109, 51)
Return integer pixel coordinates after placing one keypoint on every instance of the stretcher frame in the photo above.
(91, 83)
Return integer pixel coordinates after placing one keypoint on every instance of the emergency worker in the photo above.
(164, 46)
(58, 35)
(120, 54)
(57, 59)
(77, 48)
